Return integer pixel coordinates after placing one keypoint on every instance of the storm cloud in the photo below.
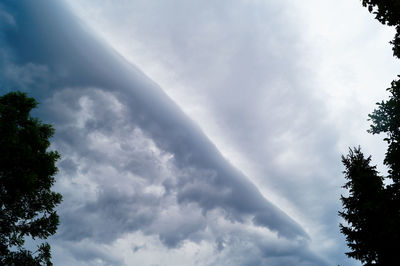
(189, 132)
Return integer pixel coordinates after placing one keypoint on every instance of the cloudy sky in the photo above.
(199, 132)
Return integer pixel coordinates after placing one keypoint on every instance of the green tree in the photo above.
(364, 210)
(372, 210)
(388, 13)
(386, 120)
(27, 173)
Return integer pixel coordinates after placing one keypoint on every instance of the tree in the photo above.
(27, 173)
(386, 119)
(388, 13)
(372, 210)
(365, 210)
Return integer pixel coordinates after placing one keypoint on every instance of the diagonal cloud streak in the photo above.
(79, 61)
(52, 55)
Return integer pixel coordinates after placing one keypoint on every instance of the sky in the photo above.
(199, 132)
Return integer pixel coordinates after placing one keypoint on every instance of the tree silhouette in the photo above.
(372, 209)
(27, 172)
(365, 210)
(386, 119)
(388, 13)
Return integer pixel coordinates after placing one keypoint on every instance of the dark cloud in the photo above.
(248, 65)
(85, 253)
(132, 160)
(261, 250)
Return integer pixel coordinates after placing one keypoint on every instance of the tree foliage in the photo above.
(27, 173)
(366, 211)
(388, 13)
(386, 119)
(372, 209)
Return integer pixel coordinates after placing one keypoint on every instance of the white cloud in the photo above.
(122, 186)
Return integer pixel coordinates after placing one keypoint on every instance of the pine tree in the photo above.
(361, 207)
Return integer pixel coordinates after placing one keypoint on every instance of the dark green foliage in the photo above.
(387, 12)
(372, 209)
(368, 212)
(27, 172)
(386, 119)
